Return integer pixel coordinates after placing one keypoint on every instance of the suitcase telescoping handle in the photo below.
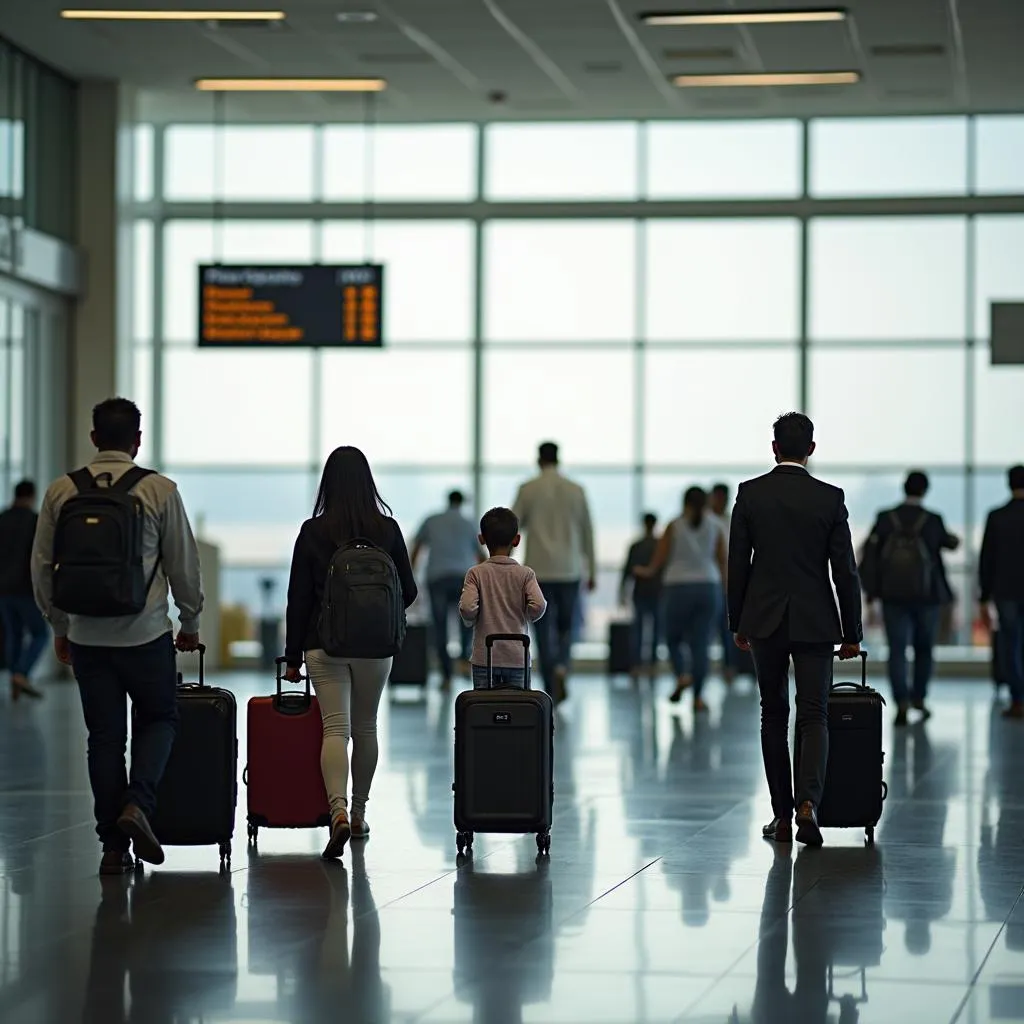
(201, 651)
(518, 638)
(863, 673)
(291, 702)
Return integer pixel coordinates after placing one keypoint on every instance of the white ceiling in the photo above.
(552, 59)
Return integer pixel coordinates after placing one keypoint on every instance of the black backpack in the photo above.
(363, 614)
(97, 548)
(905, 565)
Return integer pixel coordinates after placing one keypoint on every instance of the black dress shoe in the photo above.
(134, 824)
(779, 830)
(116, 862)
(807, 831)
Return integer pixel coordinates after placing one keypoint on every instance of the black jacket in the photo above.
(787, 529)
(17, 531)
(311, 559)
(640, 554)
(1001, 565)
(935, 536)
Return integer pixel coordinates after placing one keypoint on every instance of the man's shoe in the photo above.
(134, 824)
(807, 831)
(1015, 710)
(919, 705)
(779, 830)
(901, 717)
(116, 862)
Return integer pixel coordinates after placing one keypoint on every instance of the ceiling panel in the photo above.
(478, 59)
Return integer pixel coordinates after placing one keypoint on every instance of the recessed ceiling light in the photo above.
(128, 15)
(356, 17)
(742, 17)
(768, 79)
(291, 84)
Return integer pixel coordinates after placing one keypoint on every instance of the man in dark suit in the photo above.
(787, 529)
(913, 593)
(1001, 572)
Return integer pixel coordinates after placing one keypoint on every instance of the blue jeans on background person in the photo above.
(646, 632)
(445, 592)
(554, 630)
(500, 676)
(691, 610)
(910, 625)
(20, 619)
(106, 677)
(1011, 643)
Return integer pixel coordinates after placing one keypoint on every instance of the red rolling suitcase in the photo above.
(283, 778)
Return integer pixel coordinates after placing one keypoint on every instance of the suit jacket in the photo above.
(1001, 565)
(787, 529)
(935, 536)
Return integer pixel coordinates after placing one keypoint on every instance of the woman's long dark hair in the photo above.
(348, 500)
(694, 502)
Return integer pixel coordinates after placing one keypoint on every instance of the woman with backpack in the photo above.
(691, 558)
(350, 584)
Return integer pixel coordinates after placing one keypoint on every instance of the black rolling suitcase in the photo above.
(504, 758)
(854, 788)
(410, 666)
(620, 648)
(195, 804)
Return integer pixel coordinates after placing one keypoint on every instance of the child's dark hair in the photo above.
(499, 527)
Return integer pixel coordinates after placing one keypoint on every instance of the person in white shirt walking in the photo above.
(559, 548)
(102, 583)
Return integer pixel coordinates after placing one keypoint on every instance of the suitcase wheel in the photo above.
(464, 842)
(225, 858)
(543, 843)
(870, 834)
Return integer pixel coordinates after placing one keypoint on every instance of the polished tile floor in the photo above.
(660, 901)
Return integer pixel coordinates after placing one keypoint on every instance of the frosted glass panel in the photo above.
(559, 280)
(723, 280)
(723, 160)
(562, 161)
(887, 278)
(709, 408)
(1000, 155)
(999, 263)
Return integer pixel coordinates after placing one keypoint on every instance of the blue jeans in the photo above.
(106, 676)
(500, 676)
(445, 592)
(20, 619)
(910, 625)
(1011, 645)
(691, 610)
(646, 632)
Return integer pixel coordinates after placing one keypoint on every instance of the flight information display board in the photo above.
(316, 305)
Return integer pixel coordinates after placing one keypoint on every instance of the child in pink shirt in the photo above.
(500, 596)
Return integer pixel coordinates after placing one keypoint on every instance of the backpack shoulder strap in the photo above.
(128, 480)
(83, 480)
(918, 526)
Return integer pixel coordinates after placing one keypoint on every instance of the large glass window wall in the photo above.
(648, 294)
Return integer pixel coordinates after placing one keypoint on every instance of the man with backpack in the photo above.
(112, 538)
(902, 567)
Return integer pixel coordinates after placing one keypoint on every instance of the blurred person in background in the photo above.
(903, 568)
(554, 513)
(1001, 579)
(451, 541)
(691, 559)
(718, 503)
(24, 629)
(646, 593)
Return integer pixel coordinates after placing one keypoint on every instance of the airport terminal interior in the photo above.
(640, 230)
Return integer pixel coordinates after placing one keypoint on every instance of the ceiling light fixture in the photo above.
(768, 79)
(742, 17)
(291, 84)
(128, 15)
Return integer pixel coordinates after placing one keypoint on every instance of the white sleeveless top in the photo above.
(692, 558)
